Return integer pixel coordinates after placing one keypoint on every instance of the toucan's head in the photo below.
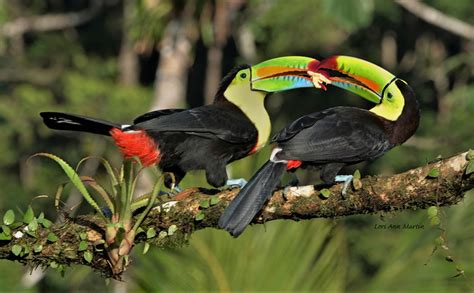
(274, 75)
(367, 80)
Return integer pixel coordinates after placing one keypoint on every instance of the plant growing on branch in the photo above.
(120, 225)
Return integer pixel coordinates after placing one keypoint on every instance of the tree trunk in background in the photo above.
(224, 13)
(127, 59)
(175, 59)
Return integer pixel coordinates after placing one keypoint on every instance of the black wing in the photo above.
(207, 121)
(298, 125)
(156, 114)
(344, 134)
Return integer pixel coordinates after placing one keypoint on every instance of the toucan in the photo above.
(335, 137)
(209, 137)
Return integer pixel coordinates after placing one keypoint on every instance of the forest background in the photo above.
(117, 59)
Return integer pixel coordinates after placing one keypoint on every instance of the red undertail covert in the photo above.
(137, 144)
(293, 164)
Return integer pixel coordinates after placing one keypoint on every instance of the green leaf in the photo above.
(9, 217)
(356, 174)
(46, 223)
(172, 229)
(83, 236)
(16, 249)
(204, 203)
(146, 247)
(432, 211)
(28, 216)
(88, 256)
(356, 183)
(326, 193)
(26, 249)
(33, 225)
(52, 237)
(31, 233)
(150, 233)
(162, 234)
(470, 155)
(470, 167)
(58, 195)
(434, 173)
(214, 200)
(38, 248)
(6, 230)
(75, 179)
(139, 230)
(53, 265)
(434, 221)
(4, 236)
(83, 245)
(199, 216)
(100, 190)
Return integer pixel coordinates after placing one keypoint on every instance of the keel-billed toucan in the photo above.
(208, 137)
(335, 137)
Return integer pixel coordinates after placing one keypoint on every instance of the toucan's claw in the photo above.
(240, 182)
(176, 189)
(347, 179)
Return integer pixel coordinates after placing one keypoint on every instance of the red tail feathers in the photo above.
(137, 144)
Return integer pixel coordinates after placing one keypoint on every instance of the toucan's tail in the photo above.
(63, 121)
(251, 198)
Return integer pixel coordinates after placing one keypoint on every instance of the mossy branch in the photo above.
(441, 183)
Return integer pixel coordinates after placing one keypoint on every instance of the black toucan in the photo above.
(335, 137)
(208, 137)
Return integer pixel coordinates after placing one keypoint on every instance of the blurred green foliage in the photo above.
(75, 70)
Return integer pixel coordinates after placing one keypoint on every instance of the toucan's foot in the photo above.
(176, 189)
(240, 182)
(347, 179)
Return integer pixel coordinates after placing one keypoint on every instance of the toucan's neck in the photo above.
(251, 103)
(407, 123)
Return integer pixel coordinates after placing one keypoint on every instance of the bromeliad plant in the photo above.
(120, 230)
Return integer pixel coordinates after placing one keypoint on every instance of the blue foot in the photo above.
(240, 182)
(347, 179)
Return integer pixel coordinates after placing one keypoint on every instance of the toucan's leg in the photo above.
(216, 173)
(172, 179)
(347, 179)
(329, 176)
(329, 172)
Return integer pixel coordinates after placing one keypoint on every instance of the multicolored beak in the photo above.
(356, 75)
(280, 74)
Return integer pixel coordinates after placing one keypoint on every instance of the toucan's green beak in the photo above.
(280, 74)
(356, 75)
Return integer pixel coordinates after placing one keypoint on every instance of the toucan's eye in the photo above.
(243, 75)
(389, 96)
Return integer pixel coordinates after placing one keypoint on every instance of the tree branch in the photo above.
(439, 19)
(175, 218)
(49, 22)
